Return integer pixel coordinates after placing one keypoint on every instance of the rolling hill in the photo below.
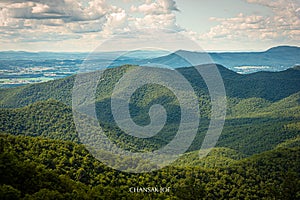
(271, 86)
(256, 157)
(260, 108)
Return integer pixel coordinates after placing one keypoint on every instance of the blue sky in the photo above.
(79, 25)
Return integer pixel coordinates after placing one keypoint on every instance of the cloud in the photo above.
(36, 21)
(30, 35)
(116, 22)
(85, 27)
(156, 8)
(68, 10)
(46, 20)
(166, 21)
(157, 14)
(282, 26)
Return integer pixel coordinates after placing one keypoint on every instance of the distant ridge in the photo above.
(274, 59)
(284, 49)
(275, 48)
(39, 65)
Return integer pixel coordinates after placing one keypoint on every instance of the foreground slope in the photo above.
(35, 168)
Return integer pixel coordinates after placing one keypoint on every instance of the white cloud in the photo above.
(60, 21)
(157, 7)
(73, 16)
(66, 10)
(67, 22)
(166, 21)
(116, 22)
(282, 26)
(158, 14)
(50, 20)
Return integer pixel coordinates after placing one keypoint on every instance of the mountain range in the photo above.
(274, 59)
(262, 100)
(256, 156)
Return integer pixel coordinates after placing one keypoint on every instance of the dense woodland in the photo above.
(39, 168)
(256, 157)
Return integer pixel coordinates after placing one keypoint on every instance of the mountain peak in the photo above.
(182, 51)
(285, 49)
(296, 67)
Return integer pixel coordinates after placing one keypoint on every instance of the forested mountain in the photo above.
(260, 105)
(257, 155)
(37, 168)
(271, 86)
(50, 119)
(251, 126)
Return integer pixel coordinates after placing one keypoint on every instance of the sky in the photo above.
(111, 25)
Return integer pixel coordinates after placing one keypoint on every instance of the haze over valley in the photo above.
(19, 68)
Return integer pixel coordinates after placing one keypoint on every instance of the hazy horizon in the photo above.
(206, 51)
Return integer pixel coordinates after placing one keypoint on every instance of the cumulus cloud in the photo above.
(68, 10)
(157, 7)
(166, 21)
(66, 17)
(156, 14)
(89, 21)
(282, 26)
(45, 20)
(116, 22)
(61, 20)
